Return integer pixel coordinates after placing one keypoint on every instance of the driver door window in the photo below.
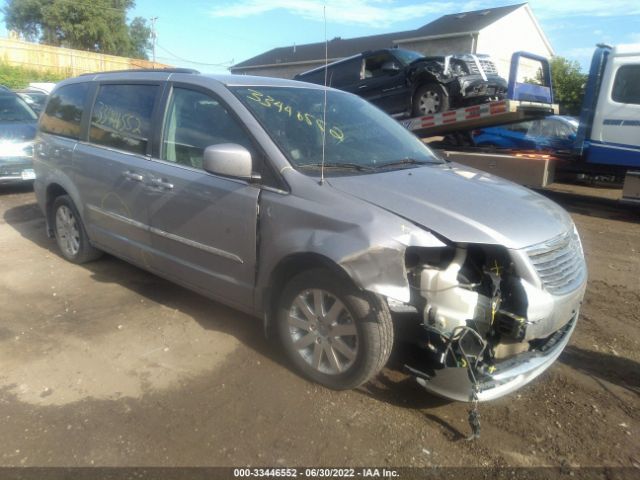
(373, 65)
(194, 121)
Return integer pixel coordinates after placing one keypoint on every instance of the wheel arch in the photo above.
(424, 78)
(56, 186)
(287, 268)
(430, 80)
(54, 190)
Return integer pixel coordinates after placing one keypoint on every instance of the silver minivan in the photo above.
(314, 210)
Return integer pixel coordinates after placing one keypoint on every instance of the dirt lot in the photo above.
(105, 364)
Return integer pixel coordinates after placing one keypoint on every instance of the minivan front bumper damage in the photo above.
(455, 383)
(494, 319)
(517, 324)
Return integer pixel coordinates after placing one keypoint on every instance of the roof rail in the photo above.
(146, 70)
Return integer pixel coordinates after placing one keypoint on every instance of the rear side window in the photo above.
(313, 77)
(521, 127)
(626, 86)
(338, 75)
(121, 117)
(64, 111)
(345, 73)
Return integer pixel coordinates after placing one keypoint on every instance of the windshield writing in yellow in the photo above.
(307, 118)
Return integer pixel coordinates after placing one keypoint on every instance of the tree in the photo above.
(140, 38)
(568, 84)
(96, 25)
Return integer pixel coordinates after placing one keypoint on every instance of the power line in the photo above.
(224, 64)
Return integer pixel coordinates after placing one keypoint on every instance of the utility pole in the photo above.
(154, 37)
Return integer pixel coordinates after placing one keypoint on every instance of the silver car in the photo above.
(317, 212)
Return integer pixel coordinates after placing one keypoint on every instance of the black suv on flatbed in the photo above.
(408, 83)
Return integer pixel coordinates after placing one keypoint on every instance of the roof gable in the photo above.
(336, 48)
(341, 48)
(466, 21)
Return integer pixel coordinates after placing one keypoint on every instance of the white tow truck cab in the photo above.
(608, 137)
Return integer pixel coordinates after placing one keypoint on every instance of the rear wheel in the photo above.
(429, 99)
(70, 234)
(333, 333)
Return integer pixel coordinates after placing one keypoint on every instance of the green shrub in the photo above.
(20, 77)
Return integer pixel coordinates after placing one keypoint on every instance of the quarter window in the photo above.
(345, 73)
(121, 117)
(626, 86)
(64, 111)
(193, 122)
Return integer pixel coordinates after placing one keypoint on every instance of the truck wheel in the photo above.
(70, 234)
(429, 99)
(333, 333)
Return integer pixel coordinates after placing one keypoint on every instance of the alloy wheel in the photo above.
(323, 331)
(67, 231)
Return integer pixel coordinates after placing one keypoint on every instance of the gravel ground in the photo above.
(107, 365)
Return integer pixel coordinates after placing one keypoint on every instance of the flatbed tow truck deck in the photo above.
(494, 113)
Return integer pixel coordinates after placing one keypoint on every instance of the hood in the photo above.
(18, 132)
(462, 204)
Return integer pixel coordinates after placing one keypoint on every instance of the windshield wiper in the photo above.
(407, 161)
(334, 165)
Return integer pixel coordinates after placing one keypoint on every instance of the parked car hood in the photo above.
(17, 132)
(462, 204)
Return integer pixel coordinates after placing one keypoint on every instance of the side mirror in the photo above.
(229, 160)
(390, 67)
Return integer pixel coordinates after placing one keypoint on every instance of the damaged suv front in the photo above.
(468, 78)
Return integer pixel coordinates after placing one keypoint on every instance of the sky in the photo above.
(211, 35)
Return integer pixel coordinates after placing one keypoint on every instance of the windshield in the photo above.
(358, 136)
(406, 56)
(14, 110)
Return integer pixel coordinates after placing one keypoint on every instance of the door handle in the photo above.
(136, 177)
(363, 86)
(161, 183)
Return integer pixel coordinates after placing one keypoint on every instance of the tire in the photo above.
(363, 320)
(70, 234)
(429, 99)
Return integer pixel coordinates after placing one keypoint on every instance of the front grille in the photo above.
(559, 263)
(14, 169)
(487, 65)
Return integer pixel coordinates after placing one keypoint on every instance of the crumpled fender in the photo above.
(381, 268)
(426, 71)
(368, 243)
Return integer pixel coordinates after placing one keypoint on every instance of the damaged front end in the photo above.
(493, 318)
(469, 78)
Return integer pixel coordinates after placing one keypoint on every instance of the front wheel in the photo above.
(430, 99)
(70, 234)
(333, 333)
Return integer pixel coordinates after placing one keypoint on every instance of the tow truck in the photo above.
(608, 138)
